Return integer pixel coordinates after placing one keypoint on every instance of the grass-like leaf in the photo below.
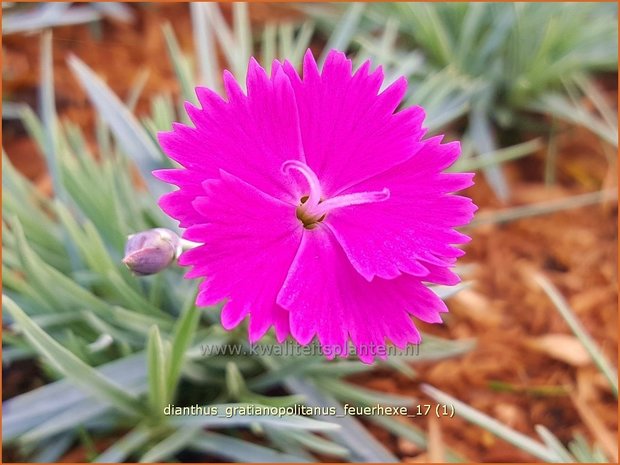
(51, 451)
(352, 435)
(205, 46)
(578, 330)
(544, 208)
(490, 424)
(66, 420)
(179, 63)
(125, 446)
(344, 31)
(45, 16)
(24, 412)
(315, 443)
(72, 367)
(182, 337)
(554, 444)
(133, 138)
(170, 445)
(345, 391)
(158, 365)
(239, 450)
(411, 433)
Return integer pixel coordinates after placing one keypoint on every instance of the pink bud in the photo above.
(149, 252)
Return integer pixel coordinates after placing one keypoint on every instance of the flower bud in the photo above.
(149, 252)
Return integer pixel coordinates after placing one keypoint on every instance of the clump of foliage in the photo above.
(503, 61)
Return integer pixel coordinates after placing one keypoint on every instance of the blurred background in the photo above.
(527, 354)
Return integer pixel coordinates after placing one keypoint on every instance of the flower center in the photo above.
(313, 207)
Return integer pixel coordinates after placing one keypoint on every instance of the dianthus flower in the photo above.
(320, 209)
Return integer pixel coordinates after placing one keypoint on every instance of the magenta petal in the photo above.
(178, 204)
(251, 241)
(415, 226)
(233, 89)
(349, 130)
(327, 298)
(248, 136)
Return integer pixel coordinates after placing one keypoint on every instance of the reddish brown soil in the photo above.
(506, 375)
(504, 310)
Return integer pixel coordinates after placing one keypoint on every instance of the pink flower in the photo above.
(321, 210)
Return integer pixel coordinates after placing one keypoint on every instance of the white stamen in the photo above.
(314, 197)
(314, 208)
(352, 199)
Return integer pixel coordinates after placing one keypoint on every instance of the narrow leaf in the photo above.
(157, 371)
(490, 424)
(182, 338)
(132, 137)
(71, 366)
(239, 450)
